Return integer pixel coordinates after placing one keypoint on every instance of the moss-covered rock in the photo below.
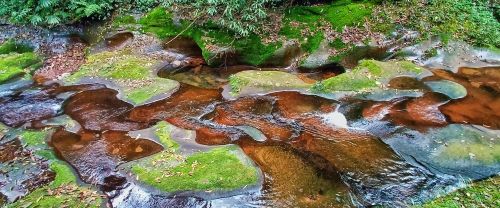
(62, 192)
(132, 73)
(15, 64)
(10, 46)
(216, 43)
(369, 75)
(162, 131)
(219, 169)
(251, 82)
(338, 14)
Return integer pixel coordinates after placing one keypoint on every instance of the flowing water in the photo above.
(312, 151)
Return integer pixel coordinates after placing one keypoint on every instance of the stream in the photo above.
(310, 150)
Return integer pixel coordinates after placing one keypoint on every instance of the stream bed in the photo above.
(273, 146)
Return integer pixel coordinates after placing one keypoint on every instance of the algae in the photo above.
(369, 75)
(218, 169)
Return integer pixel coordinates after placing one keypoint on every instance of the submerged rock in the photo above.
(95, 156)
(291, 180)
(461, 150)
(449, 88)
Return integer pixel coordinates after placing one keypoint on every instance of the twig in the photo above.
(185, 29)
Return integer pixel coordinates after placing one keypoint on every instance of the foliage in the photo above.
(55, 12)
(253, 51)
(469, 20)
(237, 15)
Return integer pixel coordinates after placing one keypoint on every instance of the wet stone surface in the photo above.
(20, 171)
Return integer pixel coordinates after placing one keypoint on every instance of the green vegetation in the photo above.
(115, 65)
(148, 89)
(479, 194)
(55, 12)
(467, 145)
(62, 192)
(241, 17)
(368, 75)
(162, 131)
(264, 81)
(218, 169)
(235, 83)
(251, 49)
(14, 64)
(11, 46)
(309, 20)
(470, 20)
(33, 138)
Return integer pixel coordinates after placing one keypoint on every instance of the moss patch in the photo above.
(218, 169)
(479, 194)
(10, 46)
(466, 145)
(162, 131)
(15, 64)
(131, 72)
(307, 20)
(115, 65)
(211, 39)
(33, 138)
(368, 75)
(62, 192)
(248, 82)
(148, 89)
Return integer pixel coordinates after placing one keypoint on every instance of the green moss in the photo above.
(470, 21)
(484, 153)
(11, 46)
(117, 65)
(217, 169)
(163, 133)
(310, 18)
(372, 67)
(264, 81)
(15, 64)
(251, 49)
(33, 138)
(62, 192)
(124, 20)
(368, 75)
(479, 194)
(236, 83)
(158, 86)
